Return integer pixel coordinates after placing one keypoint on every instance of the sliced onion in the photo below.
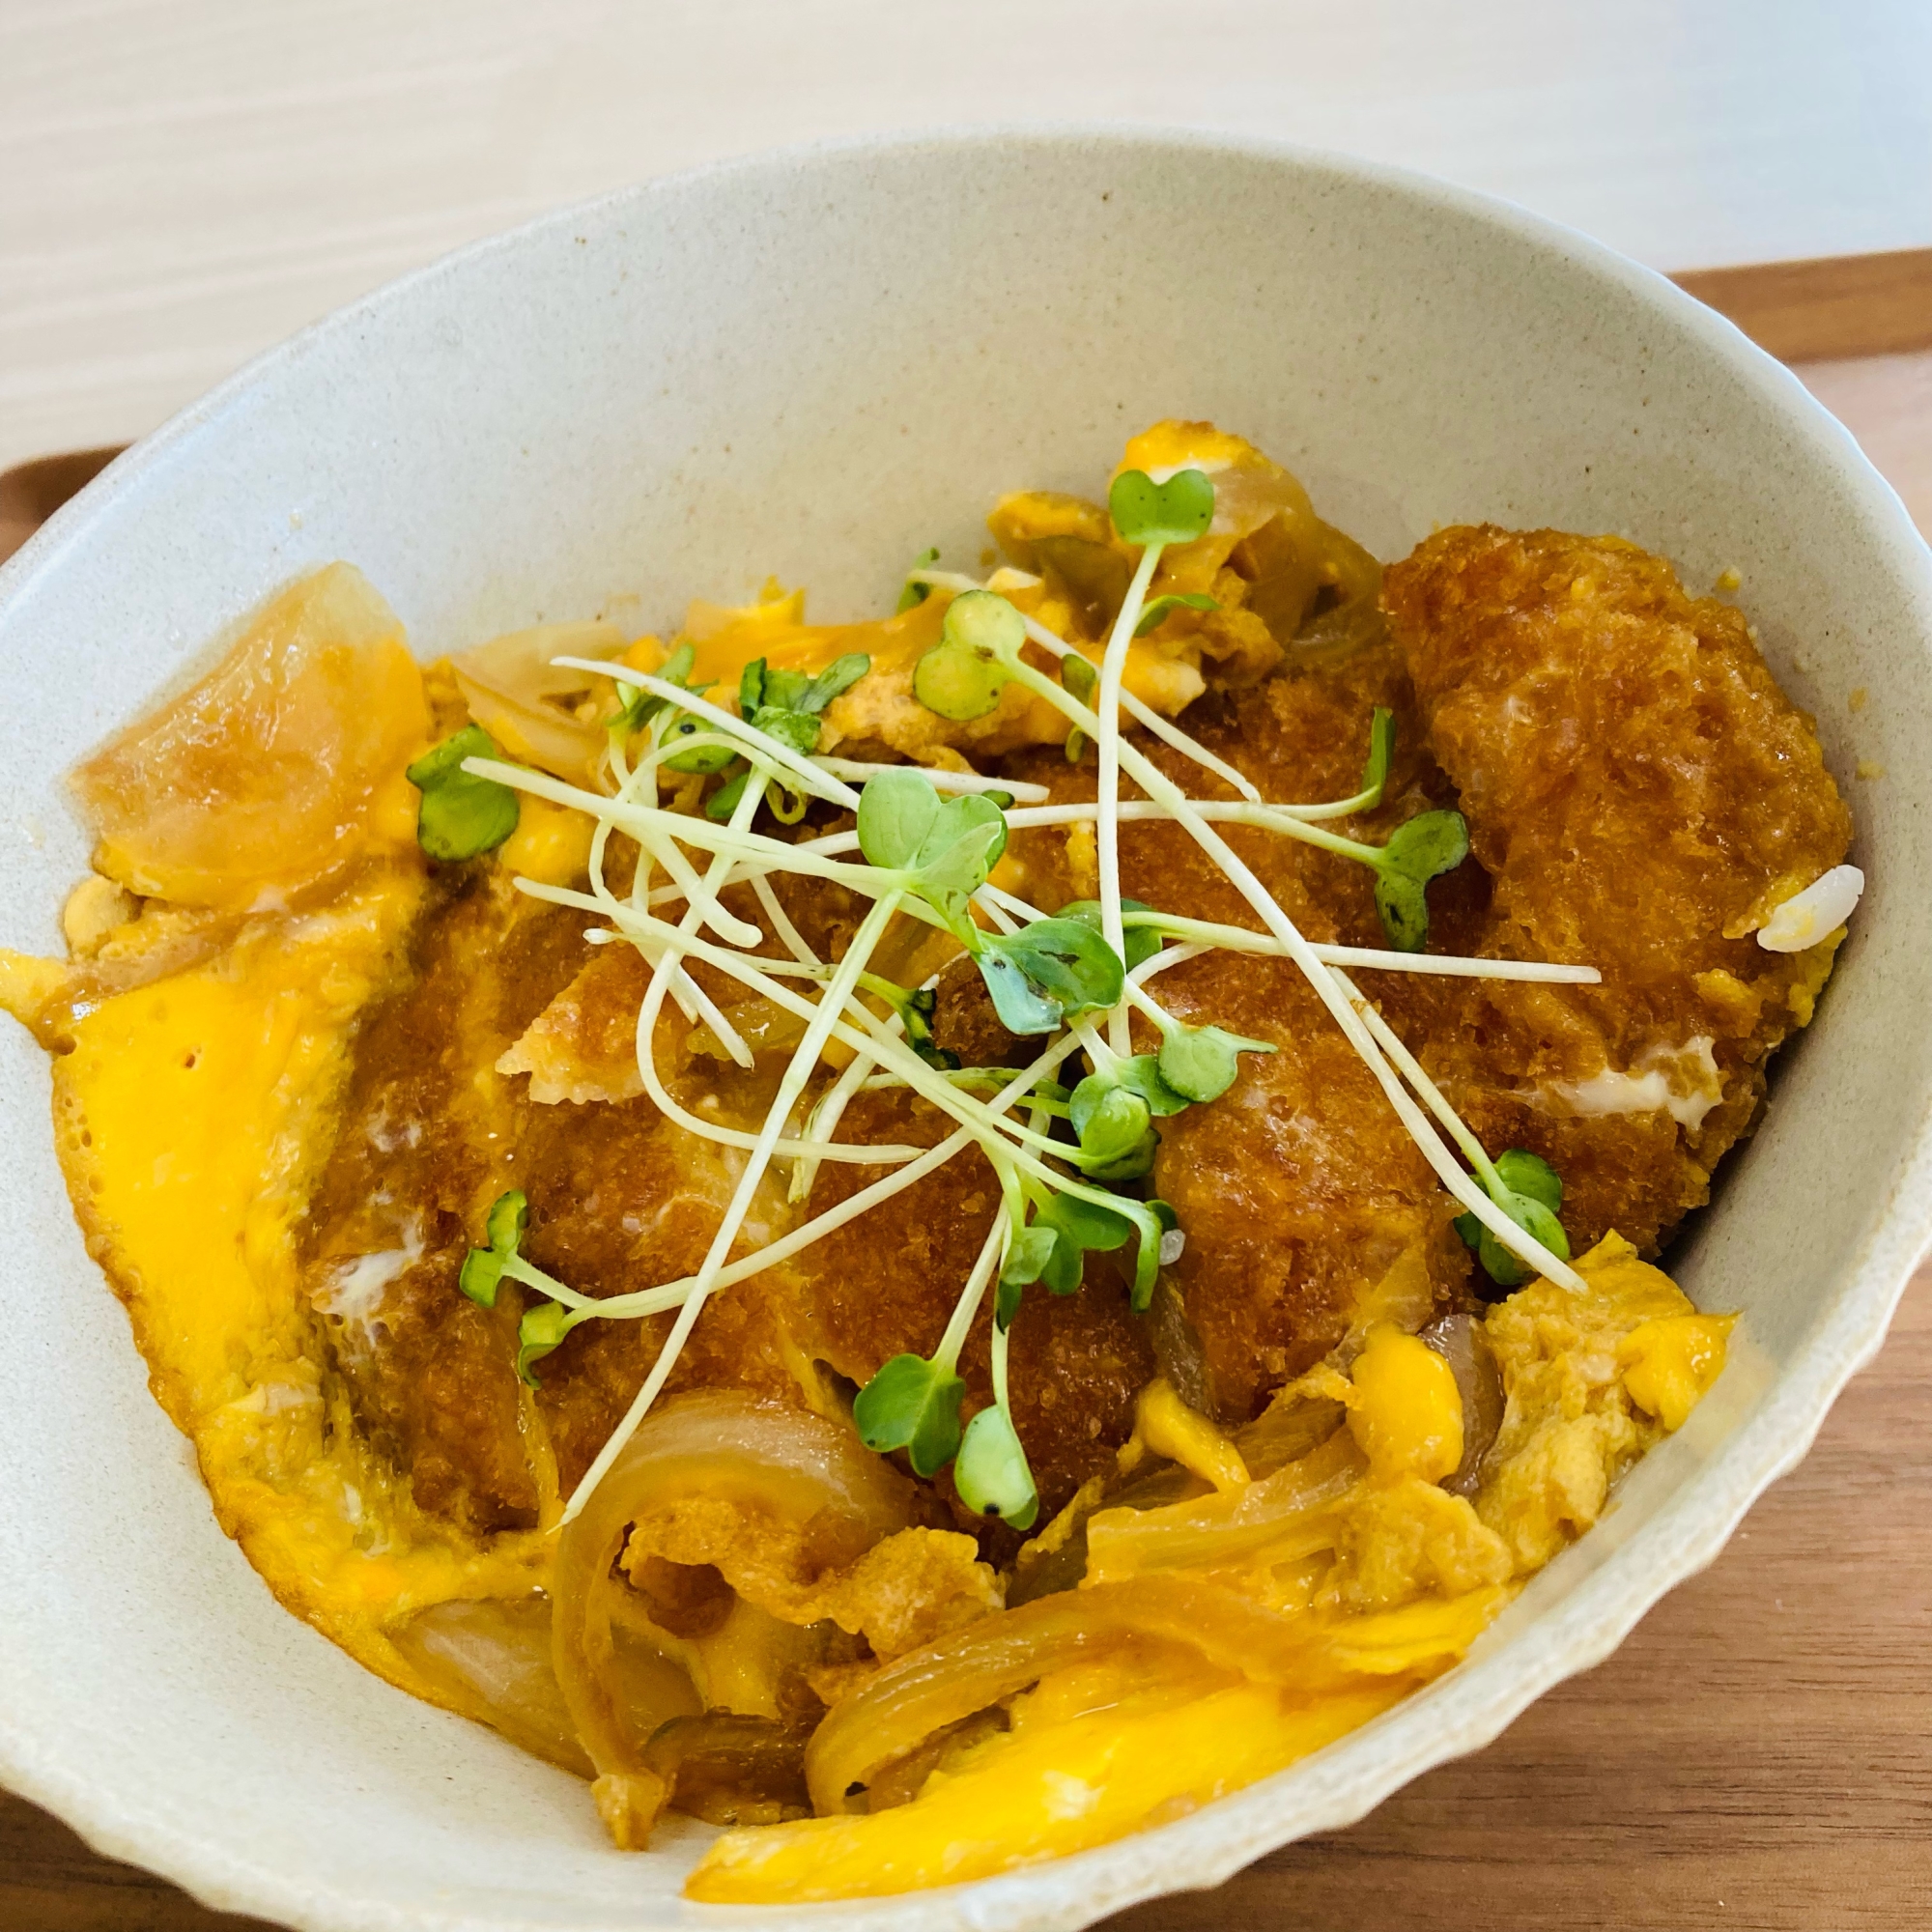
(731, 1770)
(1464, 1342)
(771, 1460)
(898, 1710)
(490, 1659)
(1285, 1517)
(903, 1707)
(509, 685)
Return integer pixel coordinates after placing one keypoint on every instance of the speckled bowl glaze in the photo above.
(816, 364)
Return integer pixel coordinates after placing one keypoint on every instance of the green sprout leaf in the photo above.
(991, 1471)
(917, 593)
(1081, 680)
(1420, 850)
(1174, 512)
(544, 1325)
(461, 816)
(1029, 1256)
(708, 757)
(1382, 748)
(540, 1331)
(483, 1268)
(962, 675)
(896, 810)
(912, 1405)
(642, 706)
(1129, 1166)
(1531, 1195)
(1156, 613)
(1051, 1248)
(1201, 1063)
(1048, 971)
(1142, 1075)
(761, 689)
(1110, 1119)
(797, 730)
(947, 849)
(723, 802)
(1142, 942)
(1150, 1220)
(915, 1010)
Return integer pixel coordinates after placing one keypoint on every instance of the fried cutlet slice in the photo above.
(1640, 794)
(1300, 1191)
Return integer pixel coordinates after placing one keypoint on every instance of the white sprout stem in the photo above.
(1220, 812)
(1239, 939)
(790, 936)
(823, 1122)
(871, 928)
(1111, 665)
(749, 971)
(1150, 720)
(652, 822)
(751, 740)
(1325, 983)
(702, 908)
(1410, 1069)
(991, 1252)
(1142, 713)
(938, 776)
(692, 999)
(664, 944)
(672, 1295)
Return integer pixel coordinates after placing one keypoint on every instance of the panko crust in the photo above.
(1640, 794)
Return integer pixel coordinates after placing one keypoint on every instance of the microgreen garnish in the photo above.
(962, 675)
(1174, 512)
(913, 1404)
(785, 706)
(915, 1010)
(928, 857)
(642, 706)
(1199, 1063)
(1047, 973)
(1141, 941)
(1420, 850)
(915, 593)
(1039, 976)
(1156, 613)
(1530, 1192)
(991, 1472)
(461, 816)
(1382, 750)
(1081, 680)
(544, 1324)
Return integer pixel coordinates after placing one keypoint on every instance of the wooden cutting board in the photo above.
(1758, 1754)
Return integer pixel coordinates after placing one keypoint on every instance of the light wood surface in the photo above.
(1801, 311)
(1758, 1756)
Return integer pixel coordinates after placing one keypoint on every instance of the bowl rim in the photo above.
(1484, 1696)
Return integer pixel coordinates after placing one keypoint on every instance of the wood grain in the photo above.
(1838, 306)
(1757, 1756)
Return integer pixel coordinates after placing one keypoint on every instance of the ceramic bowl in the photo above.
(816, 364)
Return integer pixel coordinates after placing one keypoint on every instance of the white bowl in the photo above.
(818, 364)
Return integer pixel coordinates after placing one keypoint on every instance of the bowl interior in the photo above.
(817, 366)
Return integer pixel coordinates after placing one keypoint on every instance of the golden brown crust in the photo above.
(1639, 792)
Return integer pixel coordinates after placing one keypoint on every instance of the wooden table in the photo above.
(1758, 1754)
